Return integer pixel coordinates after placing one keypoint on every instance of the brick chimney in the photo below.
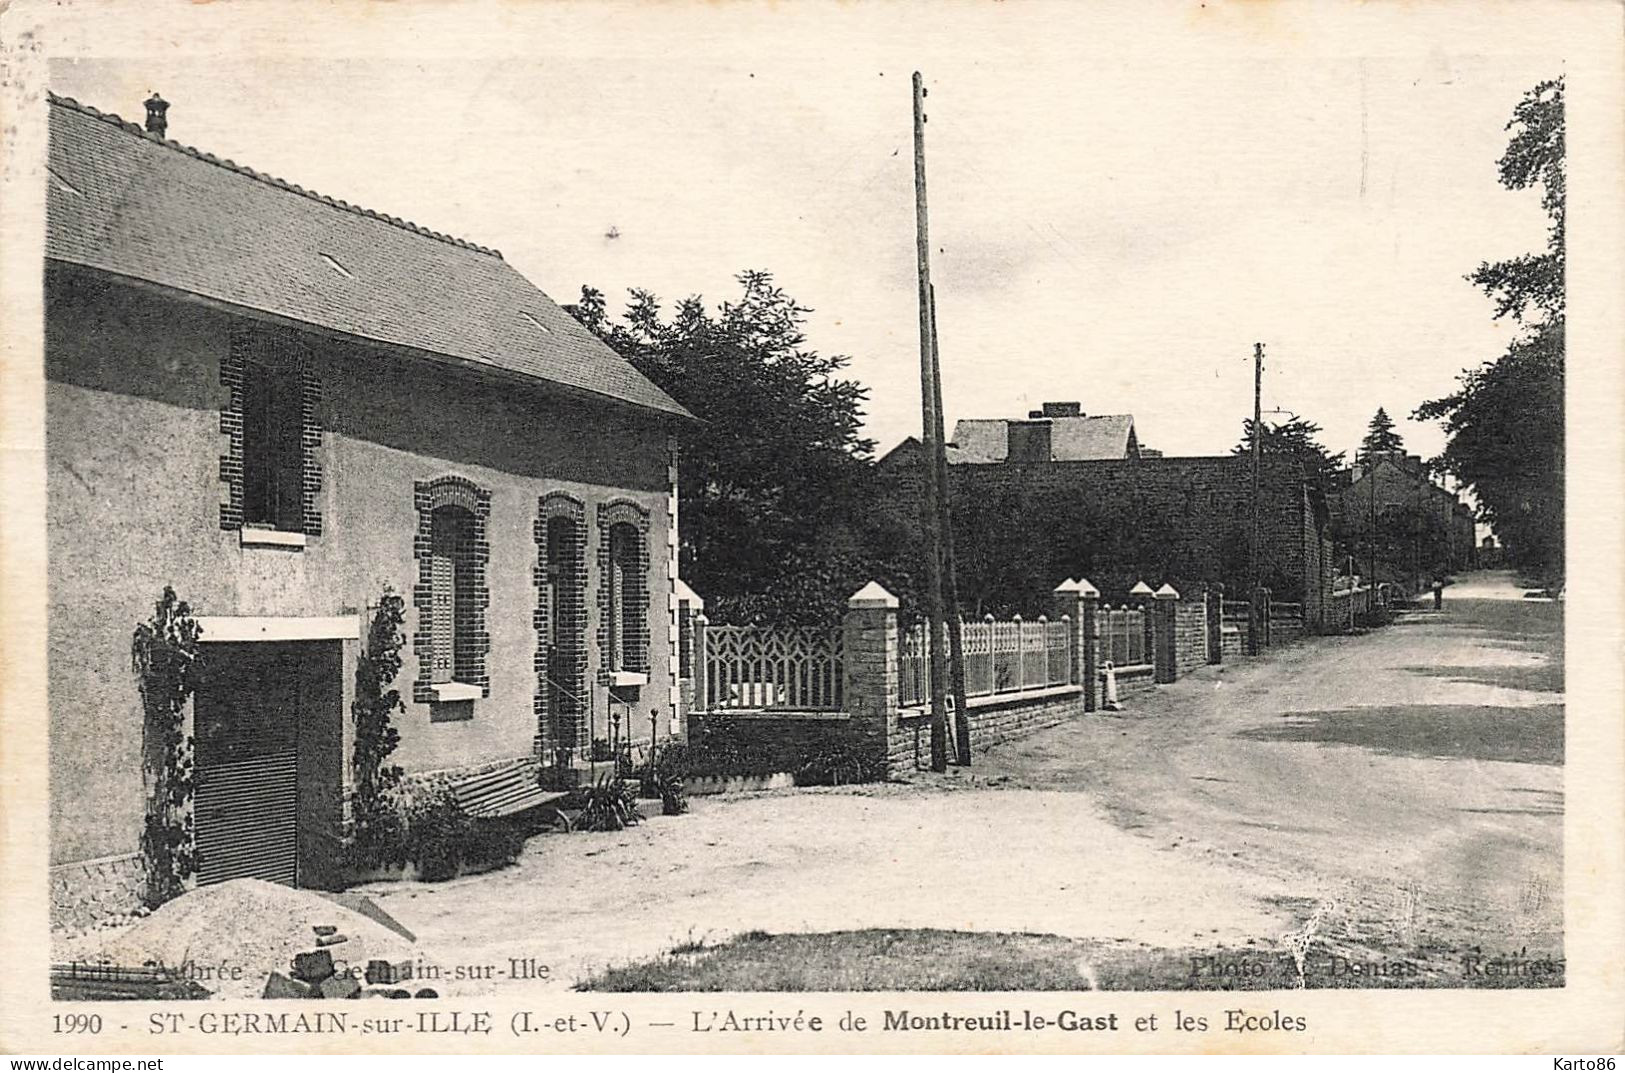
(156, 122)
(1061, 409)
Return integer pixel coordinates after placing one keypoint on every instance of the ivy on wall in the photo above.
(164, 656)
(376, 703)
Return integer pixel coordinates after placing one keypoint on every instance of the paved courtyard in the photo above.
(1394, 795)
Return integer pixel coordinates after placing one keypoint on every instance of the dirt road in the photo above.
(1395, 796)
(1408, 781)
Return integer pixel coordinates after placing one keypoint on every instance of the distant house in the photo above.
(1400, 482)
(1063, 495)
(1059, 432)
(280, 403)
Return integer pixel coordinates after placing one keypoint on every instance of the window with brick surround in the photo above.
(623, 587)
(273, 462)
(562, 725)
(272, 420)
(451, 596)
(623, 609)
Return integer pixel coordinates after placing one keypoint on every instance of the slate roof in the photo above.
(125, 201)
(1072, 439)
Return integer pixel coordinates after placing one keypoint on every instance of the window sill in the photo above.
(449, 692)
(273, 538)
(628, 678)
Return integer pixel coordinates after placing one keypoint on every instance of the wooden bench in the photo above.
(503, 791)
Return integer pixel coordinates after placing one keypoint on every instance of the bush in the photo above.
(661, 776)
(721, 749)
(422, 824)
(438, 832)
(839, 763)
(608, 805)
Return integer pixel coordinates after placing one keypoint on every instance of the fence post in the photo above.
(1089, 623)
(1215, 622)
(1021, 657)
(1268, 616)
(869, 668)
(1067, 600)
(1164, 611)
(992, 654)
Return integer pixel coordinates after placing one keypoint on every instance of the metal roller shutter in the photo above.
(246, 796)
(246, 819)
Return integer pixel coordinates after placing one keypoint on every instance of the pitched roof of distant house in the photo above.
(1072, 439)
(129, 202)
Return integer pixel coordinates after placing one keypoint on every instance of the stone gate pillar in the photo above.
(869, 644)
(1163, 613)
(1088, 617)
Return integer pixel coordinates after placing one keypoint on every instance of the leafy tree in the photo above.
(1505, 419)
(1380, 437)
(1298, 439)
(773, 475)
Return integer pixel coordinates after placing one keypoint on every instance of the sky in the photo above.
(1112, 223)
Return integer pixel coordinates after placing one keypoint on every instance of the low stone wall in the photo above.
(992, 720)
(84, 892)
(1283, 630)
(1130, 680)
(1190, 636)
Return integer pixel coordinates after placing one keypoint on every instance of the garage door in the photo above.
(246, 796)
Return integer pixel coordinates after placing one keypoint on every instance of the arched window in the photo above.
(561, 622)
(451, 595)
(626, 613)
(451, 582)
(623, 589)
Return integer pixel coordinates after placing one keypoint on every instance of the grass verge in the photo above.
(886, 959)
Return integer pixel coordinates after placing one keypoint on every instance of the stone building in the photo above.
(1124, 515)
(1403, 484)
(280, 404)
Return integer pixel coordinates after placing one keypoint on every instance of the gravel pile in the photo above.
(230, 936)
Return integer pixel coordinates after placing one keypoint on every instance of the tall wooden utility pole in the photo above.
(950, 567)
(930, 511)
(1258, 451)
(1371, 467)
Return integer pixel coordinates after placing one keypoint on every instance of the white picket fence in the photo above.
(1008, 656)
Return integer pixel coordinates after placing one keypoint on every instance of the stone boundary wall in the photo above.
(908, 748)
(898, 740)
(1190, 635)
